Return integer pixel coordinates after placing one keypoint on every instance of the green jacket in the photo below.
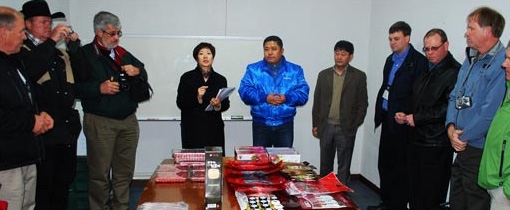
(495, 164)
(99, 69)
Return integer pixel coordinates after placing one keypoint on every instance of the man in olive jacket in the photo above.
(339, 108)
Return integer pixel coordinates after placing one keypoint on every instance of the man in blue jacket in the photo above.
(478, 93)
(273, 87)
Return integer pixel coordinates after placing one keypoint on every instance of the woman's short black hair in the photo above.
(201, 46)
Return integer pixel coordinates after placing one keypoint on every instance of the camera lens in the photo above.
(71, 31)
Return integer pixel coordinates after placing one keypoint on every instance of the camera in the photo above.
(123, 81)
(71, 31)
(463, 102)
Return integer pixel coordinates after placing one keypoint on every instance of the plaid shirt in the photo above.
(33, 39)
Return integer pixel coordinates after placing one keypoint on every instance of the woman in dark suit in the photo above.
(198, 88)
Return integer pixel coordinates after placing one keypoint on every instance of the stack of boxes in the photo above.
(189, 164)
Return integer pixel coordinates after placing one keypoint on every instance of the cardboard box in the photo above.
(286, 154)
(251, 154)
(213, 177)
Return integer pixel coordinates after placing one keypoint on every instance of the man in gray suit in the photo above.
(339, 108)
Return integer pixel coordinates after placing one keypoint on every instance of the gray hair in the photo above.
(103, 18)
(8, 17)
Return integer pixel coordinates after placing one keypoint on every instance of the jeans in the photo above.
(273, 136)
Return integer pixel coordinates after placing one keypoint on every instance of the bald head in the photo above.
(11, 30)
(8, 17)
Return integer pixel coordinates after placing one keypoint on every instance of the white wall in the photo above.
(309, 29)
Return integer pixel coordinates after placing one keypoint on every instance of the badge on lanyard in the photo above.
(386, 93)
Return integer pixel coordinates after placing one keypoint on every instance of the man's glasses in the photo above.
(113, 33)
(426, 49)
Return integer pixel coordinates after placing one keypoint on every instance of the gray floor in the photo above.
(363, 196)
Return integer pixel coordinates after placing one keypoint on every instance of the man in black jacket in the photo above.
(430, 153)
(400, 70)
(20, 121)
(50, 69)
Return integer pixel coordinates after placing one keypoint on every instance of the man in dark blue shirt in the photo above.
(400, 70)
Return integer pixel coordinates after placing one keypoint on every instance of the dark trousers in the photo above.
(269, 136)
(55, 175)
(334, 141)
(465, 194)
(393, 164)
(429, 175)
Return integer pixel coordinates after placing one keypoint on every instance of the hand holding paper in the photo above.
(222, 94)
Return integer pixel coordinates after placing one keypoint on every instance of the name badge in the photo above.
(386, 94)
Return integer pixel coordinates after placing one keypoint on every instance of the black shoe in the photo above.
(378, 207)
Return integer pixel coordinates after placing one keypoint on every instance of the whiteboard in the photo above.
(166, 58)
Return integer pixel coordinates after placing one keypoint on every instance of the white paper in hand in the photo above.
(222, 93)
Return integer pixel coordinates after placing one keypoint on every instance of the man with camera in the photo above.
(478, 92)
(109, 99)
(50, 70)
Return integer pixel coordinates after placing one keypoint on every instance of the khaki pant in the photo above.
(111, 155)
(18, 187)
(499, 201)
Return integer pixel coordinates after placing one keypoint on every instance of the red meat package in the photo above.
(234, 164)
(231, 171)
(171, 167)
(188, 155)
(197, 176)
(324, 201)
(326, 185)
(255, 179)
(257, 188)
(170, 176)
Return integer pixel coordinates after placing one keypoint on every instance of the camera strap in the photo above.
(475, 59)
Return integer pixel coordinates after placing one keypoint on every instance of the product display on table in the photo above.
(163, 206)
(300, 172)
(213, 177)
(188, 155)
(255, 179)
(309, 201)
(326, 185)
(285, 154)
(189, 164)
(253, 154)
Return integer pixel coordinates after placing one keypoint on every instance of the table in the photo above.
(193, 193)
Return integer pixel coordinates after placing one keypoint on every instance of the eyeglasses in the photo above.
(113, 33)
(426, 49)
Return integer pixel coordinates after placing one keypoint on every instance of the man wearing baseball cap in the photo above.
(50, 69)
